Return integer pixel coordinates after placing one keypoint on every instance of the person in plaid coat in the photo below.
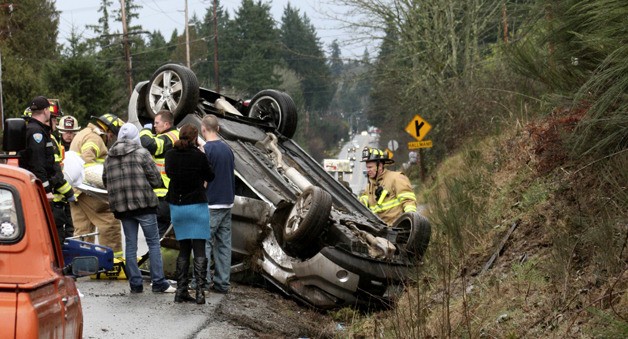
(130, 175)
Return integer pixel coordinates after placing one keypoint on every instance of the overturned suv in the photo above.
(292, 223)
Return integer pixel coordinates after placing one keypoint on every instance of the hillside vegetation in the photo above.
(527, 190)
(558, 227)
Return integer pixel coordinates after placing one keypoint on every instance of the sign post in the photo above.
(418, 129)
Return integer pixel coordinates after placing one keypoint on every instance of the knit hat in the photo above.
(129, 131)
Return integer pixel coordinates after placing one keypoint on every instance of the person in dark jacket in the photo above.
(38, 157)
(220, 197)
(189, 172)
(130, 175)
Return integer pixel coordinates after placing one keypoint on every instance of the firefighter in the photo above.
(68, 126)
(388, 193)
(158, 144)
(60, 203)
(91, 212)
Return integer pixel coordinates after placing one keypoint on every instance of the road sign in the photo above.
(418, 128)
(420, 144)
(393, 145)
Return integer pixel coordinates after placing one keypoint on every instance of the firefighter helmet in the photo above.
(55, 108)
(68, 124)
(27, 113)
(109, 122)
(374, 154)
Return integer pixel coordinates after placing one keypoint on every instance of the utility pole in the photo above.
(127, 52)
(187, 36)
(216, 49)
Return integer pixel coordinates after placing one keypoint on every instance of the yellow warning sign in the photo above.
(418, 128)
(420, 144)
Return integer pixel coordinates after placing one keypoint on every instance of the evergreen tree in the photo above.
(335, 60)
(154, 54)
(252, 49)
(102, 30)
(109, 52)
(28, 38)
(226, 55)
(386, 90)
(302, 51)
(363, 86)
(198, 48)
(132, 13)
(83, 85)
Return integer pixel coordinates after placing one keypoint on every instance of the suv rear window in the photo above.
(11, 222)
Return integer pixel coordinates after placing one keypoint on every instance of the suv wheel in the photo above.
(306, 222)
(414, 233)
(172, 87)
(276, 106)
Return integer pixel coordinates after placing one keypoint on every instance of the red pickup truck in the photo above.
(38, 295)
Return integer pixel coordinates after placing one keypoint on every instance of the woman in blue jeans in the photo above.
(130, 175)
(189, 172)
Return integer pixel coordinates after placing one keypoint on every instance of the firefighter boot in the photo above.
(200, 273)
(183, 278)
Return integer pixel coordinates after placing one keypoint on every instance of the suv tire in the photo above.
(172, 87)
(278, 106)
(306, 222)
(414, 233)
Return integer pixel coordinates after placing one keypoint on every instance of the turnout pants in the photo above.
(90, 213)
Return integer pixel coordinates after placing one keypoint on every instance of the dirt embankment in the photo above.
(271, 315)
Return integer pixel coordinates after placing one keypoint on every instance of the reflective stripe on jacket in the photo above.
(59, 156)
(396, 196)
(89, 145)
(158, 145)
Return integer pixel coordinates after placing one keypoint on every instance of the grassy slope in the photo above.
(562, 272)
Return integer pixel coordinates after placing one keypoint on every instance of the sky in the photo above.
(167, 15)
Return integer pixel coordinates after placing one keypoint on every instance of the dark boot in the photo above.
(182, 294)
(200, 273)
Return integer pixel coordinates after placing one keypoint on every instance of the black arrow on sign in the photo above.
(418, 126)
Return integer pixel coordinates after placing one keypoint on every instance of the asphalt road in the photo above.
(356, 179)
(111, 311)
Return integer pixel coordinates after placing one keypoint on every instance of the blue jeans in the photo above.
(220, 243)
(130, 225)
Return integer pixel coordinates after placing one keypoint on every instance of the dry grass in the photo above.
(563, 271)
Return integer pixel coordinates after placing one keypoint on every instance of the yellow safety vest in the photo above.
(59, 193)
(160, 161)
